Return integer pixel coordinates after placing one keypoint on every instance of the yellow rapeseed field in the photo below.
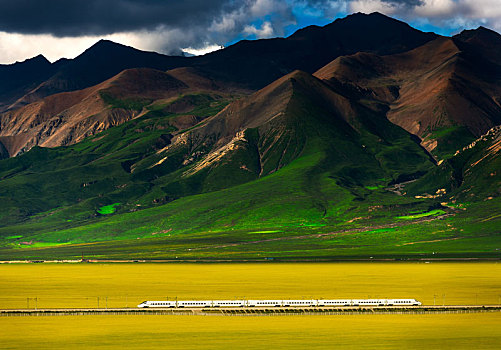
(126, 285)
(438, 331)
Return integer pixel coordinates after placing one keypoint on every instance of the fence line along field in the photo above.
(470, 331)
(126, 285)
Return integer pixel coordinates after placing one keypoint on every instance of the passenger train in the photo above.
(279, 303)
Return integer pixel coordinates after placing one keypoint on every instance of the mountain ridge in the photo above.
(424, 92)
(68, 117)
(240, 64)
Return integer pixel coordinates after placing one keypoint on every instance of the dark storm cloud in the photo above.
(195, 17)
(325, 3)
(98, 17)
(169, 26)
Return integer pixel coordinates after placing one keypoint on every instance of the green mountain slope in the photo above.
(472, 174)
(96, 171)
(315, 160)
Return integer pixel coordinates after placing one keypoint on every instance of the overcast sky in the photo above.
(62, 28)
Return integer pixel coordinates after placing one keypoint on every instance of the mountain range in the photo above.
(362, 137)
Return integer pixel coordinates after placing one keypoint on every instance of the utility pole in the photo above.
(106, 302)
(434, 297)
(36, 303)
(98, 302)
(27, 303)
(443, 299)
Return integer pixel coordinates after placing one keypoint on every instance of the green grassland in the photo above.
(436, 212)
(108, 209)
(319, 191)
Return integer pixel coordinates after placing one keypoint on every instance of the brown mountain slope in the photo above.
(266, 105)
(426, 90)
(68, 117)
(296, 115)
(100, 62)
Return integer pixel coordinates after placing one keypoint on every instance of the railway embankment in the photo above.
(282, 311)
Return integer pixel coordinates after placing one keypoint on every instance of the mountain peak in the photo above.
(480, 32)
(105, 45)
(369, 19)
(37, 60)
(481, 42)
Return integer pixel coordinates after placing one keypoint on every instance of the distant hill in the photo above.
(436, 91)
(255, 64)
(20, 78)
(66, 118)
(247, 64)
(98, 63)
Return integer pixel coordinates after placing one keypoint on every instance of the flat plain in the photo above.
(127, 284)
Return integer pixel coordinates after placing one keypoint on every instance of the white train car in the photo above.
(228, 303)
(263, 303)
(146, 304)
(194, 303)
(298, 303)
(368, 302)
(333, 302)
